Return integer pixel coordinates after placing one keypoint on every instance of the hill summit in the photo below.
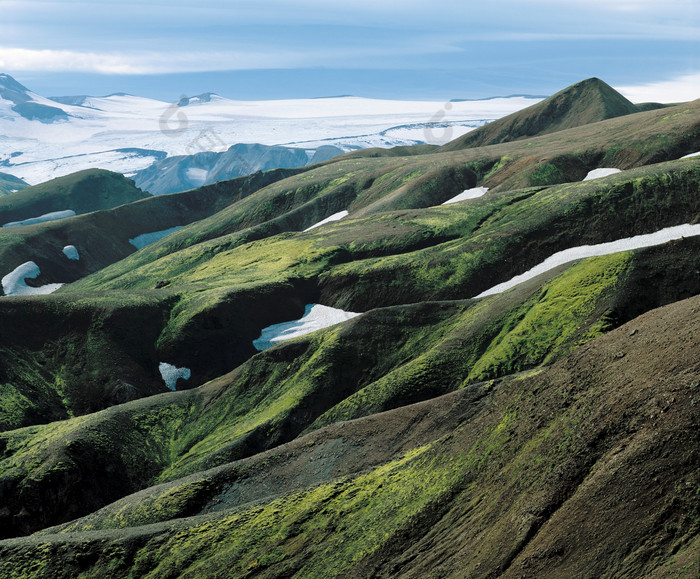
(585, 102)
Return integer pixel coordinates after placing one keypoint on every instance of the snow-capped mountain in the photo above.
(42, 138)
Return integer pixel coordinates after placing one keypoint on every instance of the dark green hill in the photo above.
(81, 192)
(10, 184)
(583, 103)
(214, 307)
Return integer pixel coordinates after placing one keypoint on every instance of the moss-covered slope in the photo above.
(81, 192)
(385, 359)
(102, 237)
(520, 434)
(587, 468)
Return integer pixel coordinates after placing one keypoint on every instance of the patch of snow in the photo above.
(603, 172)
(691, 155)
(584, 251)
(197, 176)
(474, 193)
(335, 217)
(53, 216)
(71, 252)
(141, 241)
(316, 317)
(13, 283)
(171, 374)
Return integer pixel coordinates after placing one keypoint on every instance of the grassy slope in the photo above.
(365, 186)
(451, 252)
(529, 485)
(102, 237)
(583, 103)
(221, 273)
(218, 298)
(63, 357)
(385, 359)
(83, 192)
(10, 184)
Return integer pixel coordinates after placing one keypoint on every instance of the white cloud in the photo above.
(680, 89)
(147, 62)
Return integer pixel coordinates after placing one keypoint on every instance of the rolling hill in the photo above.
(82, 192)
(449, 426)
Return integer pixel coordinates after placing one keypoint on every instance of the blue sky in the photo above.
(409, 49)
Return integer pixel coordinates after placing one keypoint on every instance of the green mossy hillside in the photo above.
(63, 357)
(528, 484)
(82, 192)
(367, 185)
(385, 359)
(11, 184)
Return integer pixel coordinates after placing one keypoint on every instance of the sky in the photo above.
(407, 49)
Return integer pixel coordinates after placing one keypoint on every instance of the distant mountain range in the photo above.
(191, 140)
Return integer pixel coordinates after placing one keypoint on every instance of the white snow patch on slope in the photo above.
(584, 251)
(171, 374)
(141, 241)
(602, 172)
(691, 155)
(467, 194)
(71, 252)
(13, 283)
(335, 217)
(316, 317)
(53, 216)
(197, 176)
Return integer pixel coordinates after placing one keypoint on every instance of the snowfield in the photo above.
(474, 193)
(71, 252)
(141, 241)
(13, 283)
(335, 217)
(171, 374)
(602, 172)
(117, 132)
(316, 317)
(584, 251)
(53, 216)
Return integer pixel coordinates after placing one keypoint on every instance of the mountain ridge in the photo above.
(580, 104)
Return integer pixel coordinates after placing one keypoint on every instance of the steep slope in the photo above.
(82, 192)
(583, 103)
(587, 468)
